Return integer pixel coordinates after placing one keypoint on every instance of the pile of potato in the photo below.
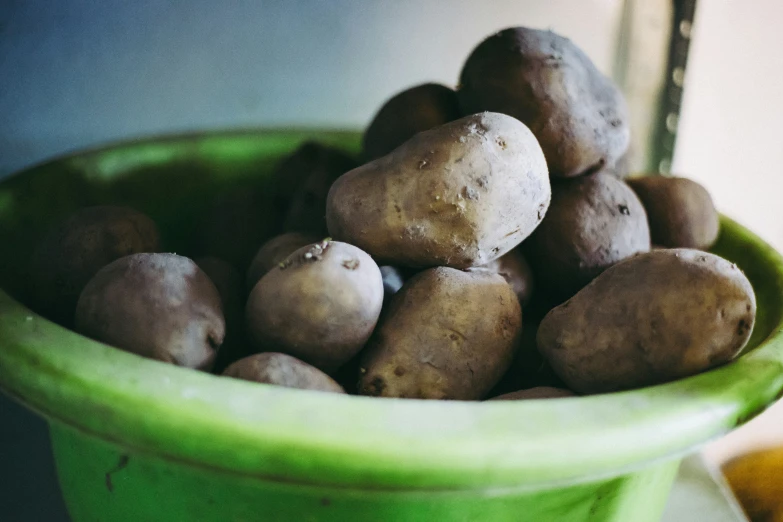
(466, 207)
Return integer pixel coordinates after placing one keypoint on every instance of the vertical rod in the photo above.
(671, 100)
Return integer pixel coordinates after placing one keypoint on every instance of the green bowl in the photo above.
(138, 440)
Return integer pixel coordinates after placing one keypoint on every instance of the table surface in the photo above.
(700, 494)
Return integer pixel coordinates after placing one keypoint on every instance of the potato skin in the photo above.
(578, 115)
(274, 252)
(319, 168)
(447, 334)
(539, 392)
(407, 113)
(282, 370)
(680, 212)
(73, 252)
(593, 222)
(161, 306)
(459, 195)
(515, 270)
(320, 305)
(662, 316)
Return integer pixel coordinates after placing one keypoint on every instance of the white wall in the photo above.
(731, 127)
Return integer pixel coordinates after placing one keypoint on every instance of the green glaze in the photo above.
(103, 482)
(256, 449)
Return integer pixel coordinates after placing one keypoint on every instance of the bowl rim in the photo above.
(301, 437)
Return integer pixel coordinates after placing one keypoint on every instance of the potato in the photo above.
(754, 477)
(459, 195)
(307, 208)
(540, 392)
(320, 305)
(578, 115)
(680, 212)
(282, 370)
(73, 252)
(407, 113)
(515, 270)
(447, 334)
(229, 285)
(653, 318)
(161, 306)
(593, 222)
(274, 252)
(234, 226)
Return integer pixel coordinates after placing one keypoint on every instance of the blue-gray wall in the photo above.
(75, 73)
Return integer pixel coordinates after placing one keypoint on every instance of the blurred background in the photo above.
(78, 73)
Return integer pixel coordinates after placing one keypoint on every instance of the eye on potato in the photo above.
(459, 195)
(407, 113)
(680, 212)
(593, 222)
(307, 207)
(447, 334)
(73, 252)
(319, 305)
(282, 370)
(653, 318)
(273, 252)
(578, 115)
(539, 392)
(161, 306)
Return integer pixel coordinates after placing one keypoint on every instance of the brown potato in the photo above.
(578, 115)
(593, 222)
(228, 283)
(407, 113)
(320, 305)
(282, 370)
(274, 252)
(680, 212)
(653, 318)
(459, 195)
(160, 306)
(447, 334)
(73, 252)
(515, 270)
(307, 208)
(754, 477)
(540, 392)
